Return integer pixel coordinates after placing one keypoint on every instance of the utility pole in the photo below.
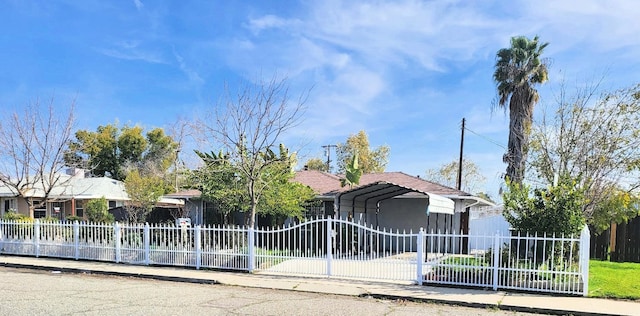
(459, 182)
(327, 150)
(464, 217)
(176, 169)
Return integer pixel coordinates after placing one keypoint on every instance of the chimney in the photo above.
(75, 172)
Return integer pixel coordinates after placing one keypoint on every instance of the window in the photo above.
(40, 213)
(314, 209)
(10, 205)
(79, 208)
(57, 209)
(112, 204)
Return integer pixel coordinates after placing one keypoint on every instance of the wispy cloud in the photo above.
(270, 21)
(355, 52)
(139, 5)
(131, 50)
(193, 76)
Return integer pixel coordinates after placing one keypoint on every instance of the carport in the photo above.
(366, 199)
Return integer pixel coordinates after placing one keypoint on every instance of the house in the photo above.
(193, 207)
(202, 212)
(71, 195)
(393, 200)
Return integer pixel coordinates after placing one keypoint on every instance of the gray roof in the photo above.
(86, 189)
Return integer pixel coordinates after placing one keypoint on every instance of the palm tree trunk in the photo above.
(519, 126)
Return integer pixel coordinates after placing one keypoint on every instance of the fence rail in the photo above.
(321, 247)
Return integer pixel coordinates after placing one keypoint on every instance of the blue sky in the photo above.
(406, 72)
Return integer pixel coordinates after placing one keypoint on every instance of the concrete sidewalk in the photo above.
(559, 305)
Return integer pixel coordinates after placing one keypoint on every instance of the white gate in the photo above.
(338, 248)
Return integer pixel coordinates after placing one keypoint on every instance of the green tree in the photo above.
(112, 151)
(618, 207)
(447, 175)
(317, 164)
(370, 160)
(220, 183)
(518, 69)
(97, 210)
(144, 192)
(284, 197)
(251, 124)
(96, 151)
(556, 209)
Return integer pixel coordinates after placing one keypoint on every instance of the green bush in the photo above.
(74, 218)
(98, 211)
(553, 210)
(13, 216)
(48, 219)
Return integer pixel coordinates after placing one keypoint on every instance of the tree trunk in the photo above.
(519, 124)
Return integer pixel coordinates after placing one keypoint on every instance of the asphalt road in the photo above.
(31, 292)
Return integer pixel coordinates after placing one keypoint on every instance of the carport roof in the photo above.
(327, 186)
(382, 190)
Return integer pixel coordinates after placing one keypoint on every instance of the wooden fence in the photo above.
(619, 243)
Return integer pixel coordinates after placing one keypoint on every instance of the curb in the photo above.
(110, 273)
(499, 306)
(511, 308)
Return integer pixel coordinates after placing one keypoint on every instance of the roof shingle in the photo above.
(328, 184)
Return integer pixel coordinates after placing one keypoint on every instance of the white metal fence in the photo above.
(321, 247)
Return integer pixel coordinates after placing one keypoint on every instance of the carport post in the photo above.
(419, 261)
(329, 245)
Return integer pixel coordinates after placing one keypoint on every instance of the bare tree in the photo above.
(447, 174)
(32, 146)
(248, 124)
(181, 132)
(592, 138)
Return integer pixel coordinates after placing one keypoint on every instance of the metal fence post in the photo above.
(496, 260)
(419, 260)
(116, 239)
(251, 249)
(76, 239)
(585, 243)
(197, 245)
(329, 246)
(36, 237)
(146, 242)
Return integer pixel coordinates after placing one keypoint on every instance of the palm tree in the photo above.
(518, 68)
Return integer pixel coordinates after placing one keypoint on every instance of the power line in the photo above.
(487, 139)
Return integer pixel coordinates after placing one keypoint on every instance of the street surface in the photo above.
(32, 292)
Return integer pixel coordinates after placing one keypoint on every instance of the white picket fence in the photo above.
(327, 247)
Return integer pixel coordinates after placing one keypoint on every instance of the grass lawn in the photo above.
(614, 280)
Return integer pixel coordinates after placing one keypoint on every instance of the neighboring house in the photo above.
(194, 206)
(203, 212)
(393, 200)
(71, 196)
(488, 221)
